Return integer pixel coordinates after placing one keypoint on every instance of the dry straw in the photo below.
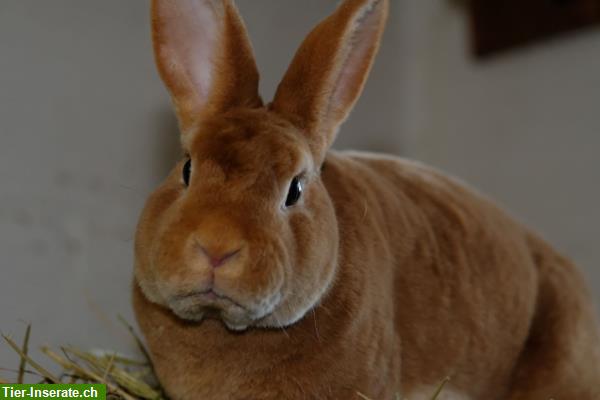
(125, 378)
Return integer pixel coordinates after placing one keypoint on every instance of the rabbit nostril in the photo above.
(216, 258)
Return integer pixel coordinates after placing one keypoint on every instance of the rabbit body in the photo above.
(433, 281)
(269, 267)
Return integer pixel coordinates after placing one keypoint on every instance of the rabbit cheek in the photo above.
(147, 282)
(314, 259)
(152, 218)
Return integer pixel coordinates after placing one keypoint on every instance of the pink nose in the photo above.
(217, 258)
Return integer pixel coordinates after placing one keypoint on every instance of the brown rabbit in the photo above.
(269, 267)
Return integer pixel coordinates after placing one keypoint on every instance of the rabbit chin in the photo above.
(209, 305)
(234, 317)
(237, 318)
(275, 311)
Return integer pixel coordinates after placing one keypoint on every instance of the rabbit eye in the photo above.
(187, 171)
(294, 192)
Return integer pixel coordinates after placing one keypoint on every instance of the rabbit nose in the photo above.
(217, 257)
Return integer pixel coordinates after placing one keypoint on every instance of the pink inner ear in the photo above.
(189, 40)
(362, 41)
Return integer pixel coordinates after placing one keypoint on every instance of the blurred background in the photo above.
(86, 132)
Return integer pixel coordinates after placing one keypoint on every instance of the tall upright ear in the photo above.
(204, 57)
(329, 70)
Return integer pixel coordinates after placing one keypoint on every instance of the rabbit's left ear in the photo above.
(204, 57)
(329, 70)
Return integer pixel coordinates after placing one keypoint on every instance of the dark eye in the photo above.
(187, 171)
(294, 193)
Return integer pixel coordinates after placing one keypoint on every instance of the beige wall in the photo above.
(86, 131)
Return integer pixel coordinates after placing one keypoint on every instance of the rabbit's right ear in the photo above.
(204, 57)
(329, 70)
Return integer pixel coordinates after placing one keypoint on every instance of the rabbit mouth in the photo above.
(210, 304)
(208, 297)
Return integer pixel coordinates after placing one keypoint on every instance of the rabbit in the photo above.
(268, 266)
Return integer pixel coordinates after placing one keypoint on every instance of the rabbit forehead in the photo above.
(250, 142)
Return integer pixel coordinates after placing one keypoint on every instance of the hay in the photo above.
(125, 378)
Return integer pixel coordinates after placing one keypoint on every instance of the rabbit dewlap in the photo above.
(269, 267)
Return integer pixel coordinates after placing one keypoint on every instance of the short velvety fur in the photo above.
(386, 276)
